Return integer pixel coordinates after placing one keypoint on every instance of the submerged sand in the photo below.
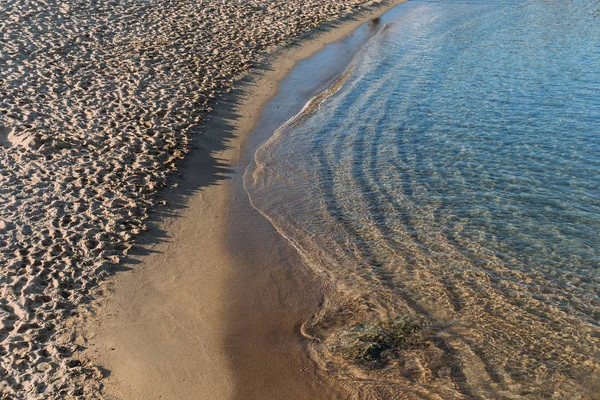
(98, 102)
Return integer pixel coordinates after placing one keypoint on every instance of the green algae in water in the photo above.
(376, 344)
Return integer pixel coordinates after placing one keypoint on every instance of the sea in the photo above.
(446, 188)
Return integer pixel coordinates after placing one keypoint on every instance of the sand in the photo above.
(223, 321)
(99, 103)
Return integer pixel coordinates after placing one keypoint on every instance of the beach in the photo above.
(339, 199)
(120, 126)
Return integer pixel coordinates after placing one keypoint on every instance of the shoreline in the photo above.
(280, 291)
(160, 327)
(100, 104)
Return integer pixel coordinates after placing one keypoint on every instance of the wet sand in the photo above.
(211, 302)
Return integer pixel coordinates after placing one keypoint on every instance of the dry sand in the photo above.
(98, 101)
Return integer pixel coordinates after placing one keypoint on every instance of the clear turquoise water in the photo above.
(453, 174)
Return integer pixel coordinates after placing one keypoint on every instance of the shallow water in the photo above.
(452, 175)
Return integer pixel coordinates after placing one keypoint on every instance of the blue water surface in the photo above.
(454, 175)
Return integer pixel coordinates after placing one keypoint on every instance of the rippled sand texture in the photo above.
(97, 102)
(452, 182)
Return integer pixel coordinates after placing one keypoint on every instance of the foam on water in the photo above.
(452, 177)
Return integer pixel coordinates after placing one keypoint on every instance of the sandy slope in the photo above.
(98, 100)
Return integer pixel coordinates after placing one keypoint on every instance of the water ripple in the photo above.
(453, 175)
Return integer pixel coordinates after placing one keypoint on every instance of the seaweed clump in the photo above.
(376, 344)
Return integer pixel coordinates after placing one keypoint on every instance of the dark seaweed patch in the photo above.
(376, 344)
